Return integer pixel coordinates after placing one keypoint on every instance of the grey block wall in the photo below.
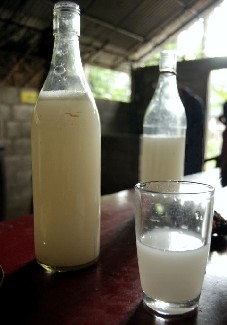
(15, 124)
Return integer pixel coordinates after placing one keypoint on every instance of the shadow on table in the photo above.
(142, 316)
(32, 296)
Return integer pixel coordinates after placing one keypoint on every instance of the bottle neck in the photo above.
(66, 70)
(66, 54)
(167, 82)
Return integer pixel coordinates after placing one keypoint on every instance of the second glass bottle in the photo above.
(164, 127)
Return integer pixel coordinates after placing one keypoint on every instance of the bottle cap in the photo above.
(66, 17)
(168, 61)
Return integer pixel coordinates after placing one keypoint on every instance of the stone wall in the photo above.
(15, 124)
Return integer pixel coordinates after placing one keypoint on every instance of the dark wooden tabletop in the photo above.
(108, 292)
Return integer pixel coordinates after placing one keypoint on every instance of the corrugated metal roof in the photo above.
(114, 34)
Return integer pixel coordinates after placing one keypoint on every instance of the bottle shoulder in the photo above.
(53, 104)
(165, 102)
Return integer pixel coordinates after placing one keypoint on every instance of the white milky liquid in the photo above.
(66, 179)
(162, 158)
(174, 272)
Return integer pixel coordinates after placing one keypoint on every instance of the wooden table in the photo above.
(107, 293)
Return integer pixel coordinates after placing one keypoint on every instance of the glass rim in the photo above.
(204, 188)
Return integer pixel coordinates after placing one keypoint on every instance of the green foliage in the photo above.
(155, 57)
(213, 148)
(171, 45)
(109, 84)
(210, 164)
(218, 97)
(153, 60)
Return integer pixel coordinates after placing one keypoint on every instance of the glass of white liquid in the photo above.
(173, 233)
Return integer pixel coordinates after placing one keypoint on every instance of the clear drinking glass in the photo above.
(173, 234)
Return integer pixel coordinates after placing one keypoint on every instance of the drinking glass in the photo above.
(173, 234)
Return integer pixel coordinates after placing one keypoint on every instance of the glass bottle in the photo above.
(66, 145)
(164, 127)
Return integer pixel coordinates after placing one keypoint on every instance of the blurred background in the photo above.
(120, 44)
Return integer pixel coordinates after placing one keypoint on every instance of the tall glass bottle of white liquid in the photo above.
(164, 127)
(66, 155)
